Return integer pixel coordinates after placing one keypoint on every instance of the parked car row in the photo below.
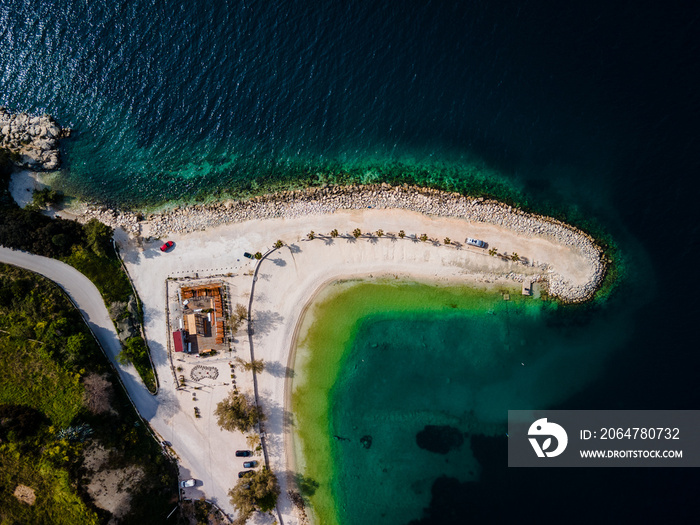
(246, 464)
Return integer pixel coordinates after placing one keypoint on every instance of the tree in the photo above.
(279, 244)
(423, 237)
(380, 233)
(256, 365)
(515, 257)
(402, 234)
(98, 393)
(237, 413)
(447, 240)
(311, 235)
(253, 441)
(334, 233)
(99, 236)
(258, 255)
(257, 491)
(493, 252)
(240, 312)
(356, 232)
(75, 349)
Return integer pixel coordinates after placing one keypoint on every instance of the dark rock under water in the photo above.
(439, 438)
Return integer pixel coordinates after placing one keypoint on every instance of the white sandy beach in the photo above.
(286, 281)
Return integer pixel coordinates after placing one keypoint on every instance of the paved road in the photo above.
(91, 306)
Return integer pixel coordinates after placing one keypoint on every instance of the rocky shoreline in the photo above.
(33, 138)
(323, 200)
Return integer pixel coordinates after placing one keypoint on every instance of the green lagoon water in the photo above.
(409, 363)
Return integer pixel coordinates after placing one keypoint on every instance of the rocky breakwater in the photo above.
(33, 138)
(315, 201)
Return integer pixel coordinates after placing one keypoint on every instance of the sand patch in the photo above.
(25, 494)
(110, 489)
(22, 186)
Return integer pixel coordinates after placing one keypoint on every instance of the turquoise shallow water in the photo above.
(399, 379)
(442, 375)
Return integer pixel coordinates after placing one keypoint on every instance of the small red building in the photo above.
(178, 338)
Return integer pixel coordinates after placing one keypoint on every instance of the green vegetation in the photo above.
(135, 351)
(88, 248)
(278, 244)
(237, 413)
(258, 491)
(258, 255)
(423, 237)
(311, 235)
(447, 240)
(59, 400)
(356, 232)
(493, 252)
(334, 233)
(45, 197)
(402, 234)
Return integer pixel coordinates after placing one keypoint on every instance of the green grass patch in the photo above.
(56, 501)
(29, 377)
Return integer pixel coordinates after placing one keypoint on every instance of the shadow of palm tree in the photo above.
(279, 262)
(265, 320)
(294, 248)
(277, 369)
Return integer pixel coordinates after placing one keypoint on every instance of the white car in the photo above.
(188, 483)
(475, 242)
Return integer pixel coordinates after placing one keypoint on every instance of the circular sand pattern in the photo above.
(204, 372)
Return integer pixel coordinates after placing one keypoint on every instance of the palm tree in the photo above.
(493, 252)
(515, 257)
(402, 234)
(334, 233)
(258, 255)
(311, 235)
(380, 233)
(356, 232)
(256, 365)
(279, 244)
(447, 240)
(423, 237)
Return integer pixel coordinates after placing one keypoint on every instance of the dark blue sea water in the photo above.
(588, 109)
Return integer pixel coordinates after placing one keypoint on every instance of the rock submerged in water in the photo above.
(366, 441)
(439, 438)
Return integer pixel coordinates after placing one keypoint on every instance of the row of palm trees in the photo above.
(357, 233)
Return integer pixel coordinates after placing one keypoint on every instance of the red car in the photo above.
(167, 246)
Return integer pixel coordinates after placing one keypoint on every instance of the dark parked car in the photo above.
(249, 255)
(250, 464)
(243, 453)
(245, 473)
(167, 246)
